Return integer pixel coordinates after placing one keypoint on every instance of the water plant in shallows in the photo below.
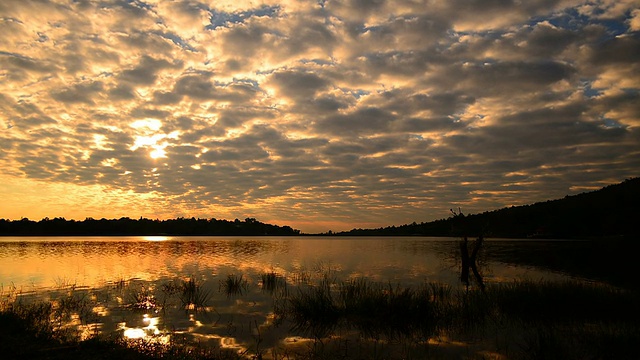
(324, 319)
(193, 296)
(234, 285)
(272, 281)
(142, 298)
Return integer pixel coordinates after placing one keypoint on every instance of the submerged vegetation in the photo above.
(327, 318)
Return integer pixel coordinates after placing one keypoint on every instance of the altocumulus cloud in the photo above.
(327, 114)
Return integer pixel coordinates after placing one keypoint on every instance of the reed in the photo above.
(301, 277)
(271, 282)
(530, 316)
(193, 296)
(234, 285)
(314, 311)
(546, 301)
(142, 299)
(357, 318)
(375, 310)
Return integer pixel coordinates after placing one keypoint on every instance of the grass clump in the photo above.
(314, 311)
(356, 318)
(375, 310)
(142, 299)
(193, 296)
(234, 285)
(271, 282)
(31, 331)
(546, 301)
(523, 319)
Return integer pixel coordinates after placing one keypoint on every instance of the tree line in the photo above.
(126, 226)
(612, 211)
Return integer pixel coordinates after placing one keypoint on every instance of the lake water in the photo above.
(125, 283)
(37, 263)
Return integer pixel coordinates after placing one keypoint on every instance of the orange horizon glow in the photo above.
(319, 115)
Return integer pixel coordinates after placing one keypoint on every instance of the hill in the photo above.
(612, 211)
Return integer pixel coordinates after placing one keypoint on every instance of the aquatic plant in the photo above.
(193, 296)
(271, 282)
(7, 296)
(233, 285)
(313, 311)
(376, 310)
(74, 303)
(142, 298)
(356, 318)
(508, 311)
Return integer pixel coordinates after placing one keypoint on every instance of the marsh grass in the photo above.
(142, 298)
(43, 323)
(546, 301)
(8, 296)
(234, 285)
(313, 310)
(74, 307)
(375, 310)
(193, 296)
(173, 351)
(356, 318)
(301, 276)
(44, 329)
(272, 282)
(521, 319)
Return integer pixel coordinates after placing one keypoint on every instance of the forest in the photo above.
(612, 211)
(141, 227)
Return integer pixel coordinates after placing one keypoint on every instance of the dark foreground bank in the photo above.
(358, 319)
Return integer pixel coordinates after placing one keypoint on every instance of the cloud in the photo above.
(145, 73)
(337, 112)
(298, 85)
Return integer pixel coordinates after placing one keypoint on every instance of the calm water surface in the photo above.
(117, 276)
(36, 263)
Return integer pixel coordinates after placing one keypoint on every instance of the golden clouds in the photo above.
(269, 109)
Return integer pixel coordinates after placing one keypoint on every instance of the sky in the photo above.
(320, 115)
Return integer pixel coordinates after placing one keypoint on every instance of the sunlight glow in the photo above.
(155, 238)
(134, 333)
(142, 141)
(111, 162)
(100, 142)
(157, 153)
(149, 332)
(151, 124)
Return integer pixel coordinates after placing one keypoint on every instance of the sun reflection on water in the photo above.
(149, 332)
(155, 238)
(177, 284)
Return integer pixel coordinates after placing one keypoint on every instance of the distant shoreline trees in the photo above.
(143, 227)
(612, 211)
(609, 212)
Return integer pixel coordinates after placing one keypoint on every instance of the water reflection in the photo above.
(233, 292)
(156, 238)
(148, 330)
(32, 264)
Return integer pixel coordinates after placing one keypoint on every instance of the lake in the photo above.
(40, 263)
(136, 285)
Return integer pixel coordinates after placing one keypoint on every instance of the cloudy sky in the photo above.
(320, 115)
